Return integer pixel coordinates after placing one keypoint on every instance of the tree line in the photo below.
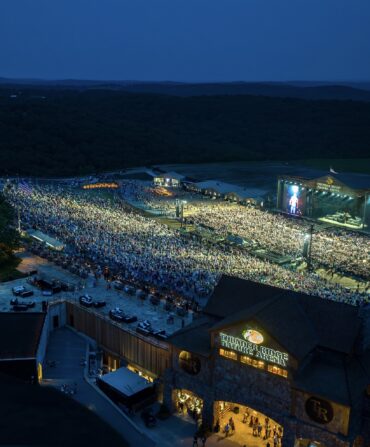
(57, 132)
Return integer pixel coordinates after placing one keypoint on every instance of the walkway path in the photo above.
(68, 349)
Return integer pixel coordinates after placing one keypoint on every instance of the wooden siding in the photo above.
(145, 352)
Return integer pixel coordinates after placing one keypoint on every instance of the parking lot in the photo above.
(159, 317)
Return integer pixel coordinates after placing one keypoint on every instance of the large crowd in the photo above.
(157, 200)
(336, 250)
(108, 233)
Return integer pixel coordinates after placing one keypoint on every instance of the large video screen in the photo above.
(294, 200)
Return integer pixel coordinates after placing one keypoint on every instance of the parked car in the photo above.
(160, 334)
(43, 284)
(15, 302)
(117, 314)
(144, 328)
(18, 290)
(86, 300)
(26, 293)
(129, 318)
(99, 303)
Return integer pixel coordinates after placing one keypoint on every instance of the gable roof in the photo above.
(297, 321)
(195, 337)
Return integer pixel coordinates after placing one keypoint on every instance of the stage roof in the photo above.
(356, 182)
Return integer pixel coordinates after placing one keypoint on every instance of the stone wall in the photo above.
(222, 379)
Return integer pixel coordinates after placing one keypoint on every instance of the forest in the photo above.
(47, 131)
(9, 238)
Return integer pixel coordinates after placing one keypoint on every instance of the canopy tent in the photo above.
(126, 387)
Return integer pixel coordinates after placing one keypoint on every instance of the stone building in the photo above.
(301, 361)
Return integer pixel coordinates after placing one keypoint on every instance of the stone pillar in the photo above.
(208, 410)
(168, 391)
(289, 436)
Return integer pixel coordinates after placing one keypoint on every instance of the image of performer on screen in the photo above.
(294, 201)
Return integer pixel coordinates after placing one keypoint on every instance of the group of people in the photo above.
(337, 249)
(265, 430)
(108, 233)
(157, 200)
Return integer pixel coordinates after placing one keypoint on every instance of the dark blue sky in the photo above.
(190, 40)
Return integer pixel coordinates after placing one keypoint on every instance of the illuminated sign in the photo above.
(253, 336)
(326, 187)
(100, 186)
(319, 410)
(254, 349)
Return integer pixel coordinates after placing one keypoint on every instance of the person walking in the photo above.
(232, 424)
(259, 429)
(195, 441)
(227, 430)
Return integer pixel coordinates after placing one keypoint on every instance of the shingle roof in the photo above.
(20, 334)
(323, 331)
(296, 320)
(195, 337)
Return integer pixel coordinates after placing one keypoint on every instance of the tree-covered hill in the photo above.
(48, 131)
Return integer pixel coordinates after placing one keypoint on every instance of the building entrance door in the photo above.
(188, 404)
(241, 425)
(307, 443)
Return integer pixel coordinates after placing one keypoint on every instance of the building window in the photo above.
(140, 372)
(189, 363)
(276, 370)
(229, 354)
(252, 362)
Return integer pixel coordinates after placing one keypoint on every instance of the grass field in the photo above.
(34, 415)
(359, 165)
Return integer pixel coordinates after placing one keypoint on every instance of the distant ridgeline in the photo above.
(59, 132)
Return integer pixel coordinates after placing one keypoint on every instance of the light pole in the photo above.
(19, 220)
(307, 247)
(183, 202)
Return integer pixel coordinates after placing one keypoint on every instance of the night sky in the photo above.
(186, 40)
